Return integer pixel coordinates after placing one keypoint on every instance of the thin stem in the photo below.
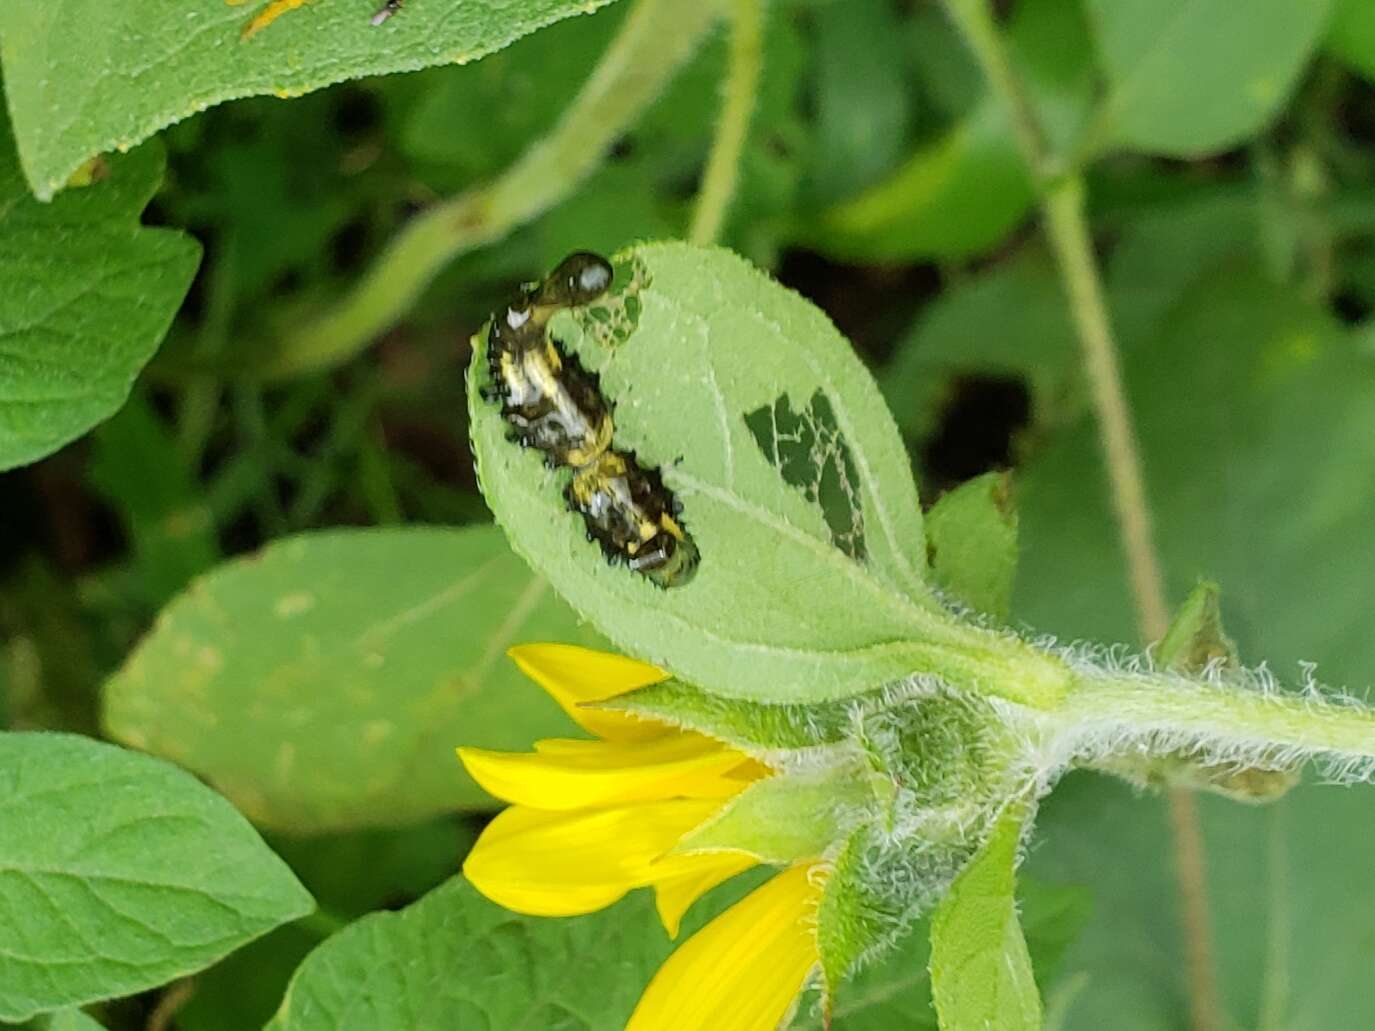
(741, 87)
(1067, 228)
(658, 36)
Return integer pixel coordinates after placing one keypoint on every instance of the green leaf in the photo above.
(324, 683)
(1194, 77)
(85, 297)
(1290, 897)
(456, 960)
(964, 190)
(1352, 35)
(980, 968)
(350, 875)
(792, 479)
(130, 70)
(971, 538)
(952, 198)
(119, 873)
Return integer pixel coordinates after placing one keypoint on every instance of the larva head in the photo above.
(580, 278)
(669, 560)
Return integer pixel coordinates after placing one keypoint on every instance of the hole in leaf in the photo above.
(811, 454)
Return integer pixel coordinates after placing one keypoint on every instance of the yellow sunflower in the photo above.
(591, 820)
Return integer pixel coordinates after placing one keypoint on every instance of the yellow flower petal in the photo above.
(674, 896)
(742, 971)
(573, 675)
(566, 774)
(562, 863)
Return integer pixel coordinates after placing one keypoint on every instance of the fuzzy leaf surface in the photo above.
(119, 872)
(792, 479)
(323, 683)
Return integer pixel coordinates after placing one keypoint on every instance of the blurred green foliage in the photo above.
(1230, 154)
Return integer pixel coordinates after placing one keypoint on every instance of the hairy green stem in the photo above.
(740, 89)
(1228, 719)
(657, 38)
(1068, 232)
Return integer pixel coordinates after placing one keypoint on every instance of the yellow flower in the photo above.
(592, 820)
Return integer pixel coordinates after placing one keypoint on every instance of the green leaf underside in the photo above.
(120, 72)
(971, 537)
(119, 872)
(455, 960)
(1193, 77)
(86, 294)
(776, 610)
(980, 967)
(324, 683)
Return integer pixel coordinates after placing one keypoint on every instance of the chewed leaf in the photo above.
(793, 483)
(810, 453)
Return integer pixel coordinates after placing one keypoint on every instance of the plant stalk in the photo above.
(741, 86)
(1234, 720)
(657, 38)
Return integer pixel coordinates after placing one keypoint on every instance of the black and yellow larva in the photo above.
(554, 405)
